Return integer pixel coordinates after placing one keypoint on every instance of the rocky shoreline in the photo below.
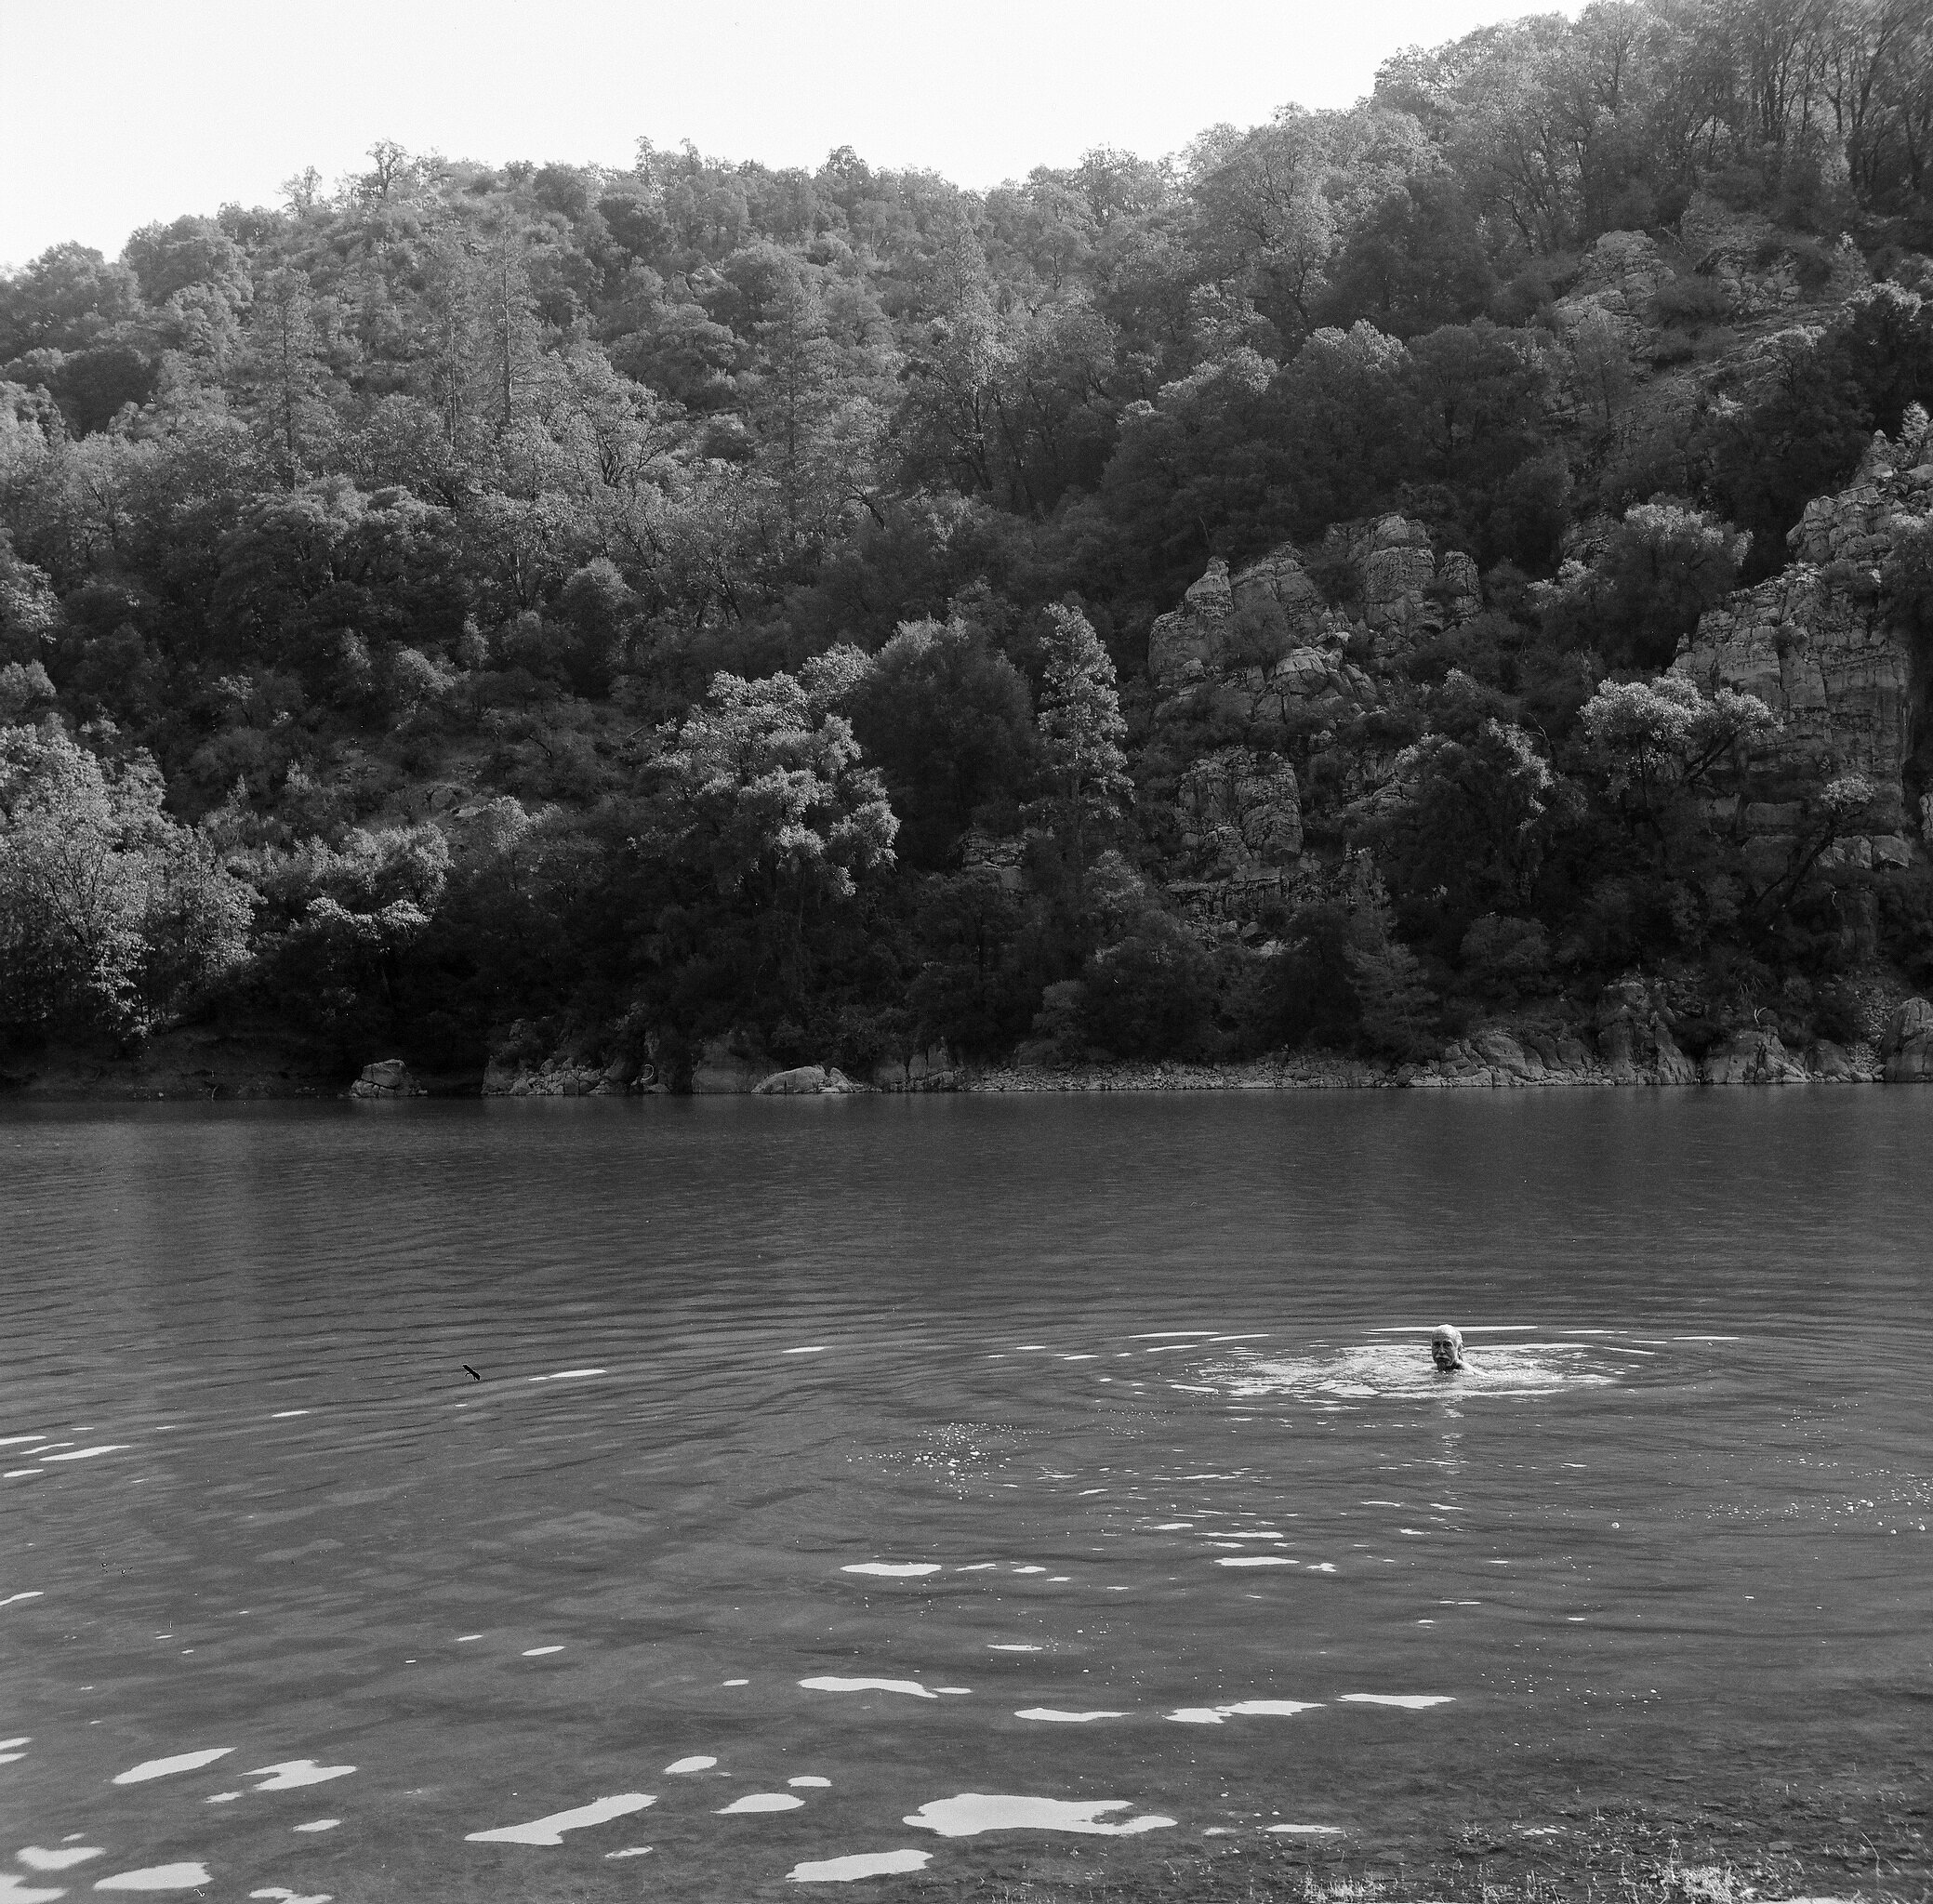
(1632, 1048)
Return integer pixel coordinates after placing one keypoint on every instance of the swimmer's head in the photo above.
(1446, 1348)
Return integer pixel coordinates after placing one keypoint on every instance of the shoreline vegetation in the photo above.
(209, 1066)
(1378, 582)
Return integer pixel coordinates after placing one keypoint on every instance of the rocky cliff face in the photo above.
(1820, 646)
(1406, 593)
(1263, 649)
(1240, 813)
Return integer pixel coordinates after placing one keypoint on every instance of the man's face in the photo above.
(1443, 1354)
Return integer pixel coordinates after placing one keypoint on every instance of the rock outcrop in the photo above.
(1818, 645)
(1191, 645)
(562, 1076)
(807, 1081)
(1908, 1051)
(1753, 1057)
(387, 1077)
(1634, 1040)
(1240, 813)
(725, 1069)
(1617, 280)
(1188, 642)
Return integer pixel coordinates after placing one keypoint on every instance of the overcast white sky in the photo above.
(119, 111)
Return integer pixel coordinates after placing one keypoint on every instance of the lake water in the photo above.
(805, 1467)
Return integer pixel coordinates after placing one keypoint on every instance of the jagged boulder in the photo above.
(1280, 579)
(1908, 1050)
(1239, 812)
(1396, 569)
(1189, 644)
(1186, 642)
(1753, 1057)
(1635, 1039)
(387, 1077)
(1618, 277)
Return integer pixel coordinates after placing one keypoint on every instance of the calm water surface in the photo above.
(1102, 1430)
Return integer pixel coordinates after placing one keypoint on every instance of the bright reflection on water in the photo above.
(1146, 1379)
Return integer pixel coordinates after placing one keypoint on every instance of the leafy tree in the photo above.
(947, 720)
(1659, 738)
(764, 790)
(1149, 995)
(111, 914)
(1463, 826)
(1658, 572)
(1081, 731)
(66, 299)
(1801, 438)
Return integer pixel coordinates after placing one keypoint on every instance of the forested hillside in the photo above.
(551, 613)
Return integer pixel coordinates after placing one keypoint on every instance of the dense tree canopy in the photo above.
(722, 562)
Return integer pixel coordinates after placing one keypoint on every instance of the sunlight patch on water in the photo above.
(1258, 1560)
(1064, 1718)
(158, 1877)
(832, 1684)
(538, 1652)
(550, 1830)
(629, 1851)
(898, 1570)
(760, 1801)
(1408, 1702)
(809, 1782)
(163, 1768)
(287, 1777)
(972, 1812)
(14, 1889)
(1309, 1830)
(1242, 1709)
(317, 1825)
(37, 1594)
(570, 1374)
(36, 1858)
(85, 1454)
(861, 1864)
(692, 1764)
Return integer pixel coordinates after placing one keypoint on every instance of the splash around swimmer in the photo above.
(1446, 1349)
